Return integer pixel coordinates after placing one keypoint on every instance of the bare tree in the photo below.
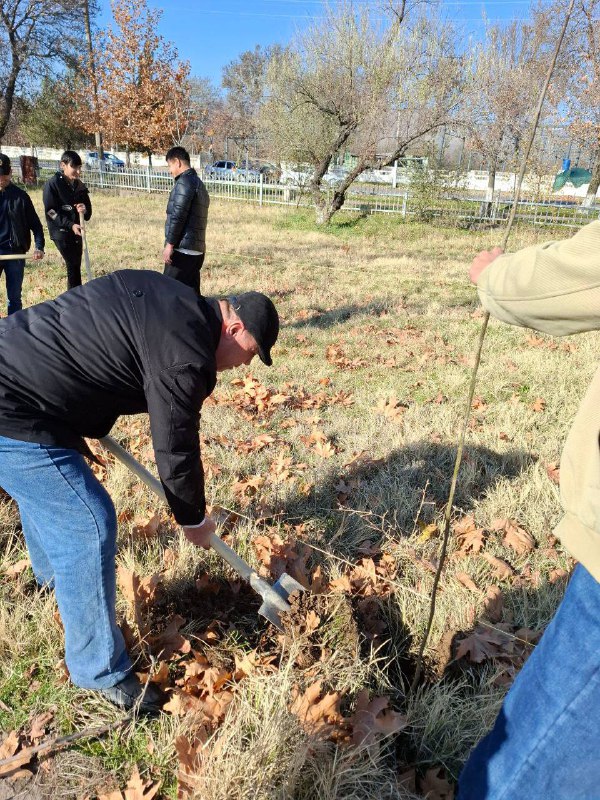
(193, 113)
(34, 34)
(355, 81)
(508, 70)
(583, 96)
(244, 79)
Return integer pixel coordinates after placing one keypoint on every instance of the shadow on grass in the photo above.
(412, 482)
(335, 316)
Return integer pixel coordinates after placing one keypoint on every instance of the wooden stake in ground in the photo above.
(461, 442)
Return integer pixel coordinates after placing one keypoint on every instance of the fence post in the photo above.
(101, 177)
(404, 202)
(260, 189)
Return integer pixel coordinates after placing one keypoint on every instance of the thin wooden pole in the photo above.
(461, 442)
(86, 252)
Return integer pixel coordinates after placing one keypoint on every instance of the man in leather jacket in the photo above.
(18, 220)
(129, 342)
(187, 215)
(65, 196)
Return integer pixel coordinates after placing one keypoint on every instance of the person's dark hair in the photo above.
(71, 157)
(178, 152)
(4, 164)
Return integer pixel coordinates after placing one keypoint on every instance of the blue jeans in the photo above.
(545, 744)
(13, 272)
(70, 528)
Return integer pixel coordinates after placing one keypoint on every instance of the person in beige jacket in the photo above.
(545, 743)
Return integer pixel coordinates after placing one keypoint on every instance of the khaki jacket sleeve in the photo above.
(553, 287)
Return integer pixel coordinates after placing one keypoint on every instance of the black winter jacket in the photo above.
(23, 220)
(187, 213)
(130, 342)
(60, 199)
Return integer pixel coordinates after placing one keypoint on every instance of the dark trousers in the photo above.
(185, 269)
(71, 249)
(13, 272)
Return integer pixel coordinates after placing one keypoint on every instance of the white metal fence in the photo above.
(455, 206)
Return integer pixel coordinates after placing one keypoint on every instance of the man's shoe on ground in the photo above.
(127, 693)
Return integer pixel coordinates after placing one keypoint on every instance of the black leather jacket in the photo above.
(23, 220)
(60, 198)
(130, 342)
(187, 213)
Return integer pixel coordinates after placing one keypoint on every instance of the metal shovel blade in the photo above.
(283, 587)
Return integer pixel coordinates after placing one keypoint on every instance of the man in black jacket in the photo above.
(18, 220)
(65, 196)
(187, 215)
(130, 342)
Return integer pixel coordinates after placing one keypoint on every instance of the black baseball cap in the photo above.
(260, 319)
(4, 164)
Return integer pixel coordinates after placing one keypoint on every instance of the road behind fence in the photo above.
(450, 206)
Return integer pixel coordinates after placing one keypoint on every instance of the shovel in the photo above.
(275, 597)
(86, 252)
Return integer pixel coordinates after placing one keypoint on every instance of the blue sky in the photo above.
(210, 33)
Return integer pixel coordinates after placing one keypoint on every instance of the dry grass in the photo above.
(395, 300)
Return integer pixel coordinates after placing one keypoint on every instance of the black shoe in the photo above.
(127, 693)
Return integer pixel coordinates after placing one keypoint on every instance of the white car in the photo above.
(221, 171)
(110, 162)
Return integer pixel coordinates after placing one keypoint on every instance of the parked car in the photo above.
(255, 169)
(221, 170)
(295, 175)
(249, 172)
(110, 162)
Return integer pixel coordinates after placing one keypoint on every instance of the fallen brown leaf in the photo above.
(38, 726)
(8, 749)
(467, 581)
(493, 606)
(484, 643)
(319, 714)
(470, 537)
(372, 718)
(502, 569)
(517, 538)
(17, 568)
(144, 528)
(136, 789)
(435, 786)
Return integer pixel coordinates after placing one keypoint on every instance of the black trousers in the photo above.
(71, 249)
(185, 269)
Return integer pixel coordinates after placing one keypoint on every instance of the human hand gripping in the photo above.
(200, 534)
(168, 252)
(483, 260)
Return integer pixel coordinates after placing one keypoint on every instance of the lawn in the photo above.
(333, 465)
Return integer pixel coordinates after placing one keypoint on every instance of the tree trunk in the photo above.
(590, 197)
(485, 210)
(88, 36)
(329, 206)
(9, 95)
